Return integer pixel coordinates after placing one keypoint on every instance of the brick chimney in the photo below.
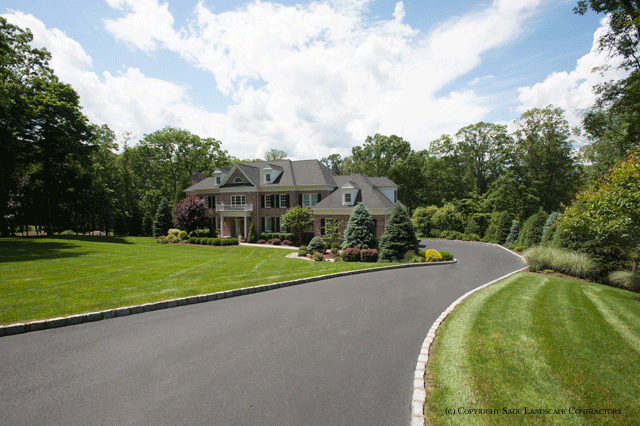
(197, 177)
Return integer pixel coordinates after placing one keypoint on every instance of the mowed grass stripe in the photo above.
(49, 277)
(539, 342)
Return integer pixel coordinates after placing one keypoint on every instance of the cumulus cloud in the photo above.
(311, 79)
(572, 91)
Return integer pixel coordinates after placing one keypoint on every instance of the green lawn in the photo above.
(540, 342)
(51, 277)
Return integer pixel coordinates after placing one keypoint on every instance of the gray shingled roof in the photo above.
(371, 197)
(294, 173)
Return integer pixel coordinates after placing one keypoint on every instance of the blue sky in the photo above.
(316, 78)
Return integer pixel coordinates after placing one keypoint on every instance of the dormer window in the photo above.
(347, 198)
(218, 180)
(349, 193)
(267, 177)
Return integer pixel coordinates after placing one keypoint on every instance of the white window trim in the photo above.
(309, 200)
(267, 202)
(238, 200)
(282, 201)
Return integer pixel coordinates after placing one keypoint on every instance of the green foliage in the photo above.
(606, 213)
(531, 234)
(432, 255)
(162, 240)
(472, 226)
(296, 220)
(569, 262)
(361, 231)
(422, 219)
(519, 249)
(551, 220)
(183, 235)
(335, 247)
(173, 231)
(446, 256)
(252, 236)
(317, 244)
(399, 235)
(626, 279)
(514, 231)
(163, 220)
(503, 228)
(447, 218)
(171, 237)
(302, 251)
(351, 255)
(318, 257)
(275, 154)
(67, 232)
(229, 242)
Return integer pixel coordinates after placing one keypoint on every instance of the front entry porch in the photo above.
(232, 226)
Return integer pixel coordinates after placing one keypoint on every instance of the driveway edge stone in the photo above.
(19, 328)
(419, 397)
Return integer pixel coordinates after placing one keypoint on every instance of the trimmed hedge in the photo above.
(446, 256)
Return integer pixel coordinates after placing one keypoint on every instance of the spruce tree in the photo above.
(163, 220)
(361, 231)
(399, 236)
(504, 226)
(252, 236)
(513, 233)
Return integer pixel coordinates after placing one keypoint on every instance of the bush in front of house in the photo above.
(275, 241)
(317, 244)
(351, 254)
(318, 257)
(252, 236)
(229, 241)
(335, 247)
(287, 243)
(261, 241)
(446, 256)
(183, 235)
(302, 251)
(432, 255)
(369, 255)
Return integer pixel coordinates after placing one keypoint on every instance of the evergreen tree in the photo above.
(361, 231)
(531, 234)
(504, 226)
(513, 233)
(163, 220)
(399, 235)
(252, 236)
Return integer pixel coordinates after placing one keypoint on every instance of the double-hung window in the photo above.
(267, 201)
(309, 200)
(282, 201)
(237, 200)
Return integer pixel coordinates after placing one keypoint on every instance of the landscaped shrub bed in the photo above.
(432, 255)
(317, 245)
(279, 235)
(369, 255)
(560, 260)
(302, 251)
(446, 256)
(351, 255)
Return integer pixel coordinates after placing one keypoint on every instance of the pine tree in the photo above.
(504, 226)
(399, 235)
(361, 231)
(252, 237)
(513, 233)
(163, 220)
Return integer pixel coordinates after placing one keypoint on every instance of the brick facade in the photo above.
(379, 220)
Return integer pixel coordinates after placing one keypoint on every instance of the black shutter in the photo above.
(273, 200)
(300, 199)
(263, 226)
(323, 223)
(277, 225)
(288, 201)
(262, 201)
(319, 197)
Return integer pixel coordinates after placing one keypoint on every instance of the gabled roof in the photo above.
(294, 173)
(370, 196)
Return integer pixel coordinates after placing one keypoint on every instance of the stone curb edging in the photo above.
(19, 328)
(419, 397)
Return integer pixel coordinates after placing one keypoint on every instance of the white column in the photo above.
(221, 225)
(245, 227)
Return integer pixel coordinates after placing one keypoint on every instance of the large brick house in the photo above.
(260, 192)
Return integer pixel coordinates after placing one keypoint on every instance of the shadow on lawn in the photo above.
(25, 249)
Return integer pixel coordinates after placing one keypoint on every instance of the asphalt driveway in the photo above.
(336, 352)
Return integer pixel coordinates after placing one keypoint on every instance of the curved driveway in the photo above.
(336, 352)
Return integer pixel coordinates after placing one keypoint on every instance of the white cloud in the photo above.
(572, 91)
(310, 79)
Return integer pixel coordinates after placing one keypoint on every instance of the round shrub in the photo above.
(173, 231)
(318, 257)
(216, 241)
(369, 255)
(67, 232)
(261, 242)
(432, 255)
(351, 255)
(162, 240)
(317, 244)
(275, 241)
(446, 256)
(192, 240)
(287, 243)
(302, 251)
(335, 247)
(290, 236)
(183, 235)
(171, 237)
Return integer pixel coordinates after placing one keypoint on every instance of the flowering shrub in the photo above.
(432, 255)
